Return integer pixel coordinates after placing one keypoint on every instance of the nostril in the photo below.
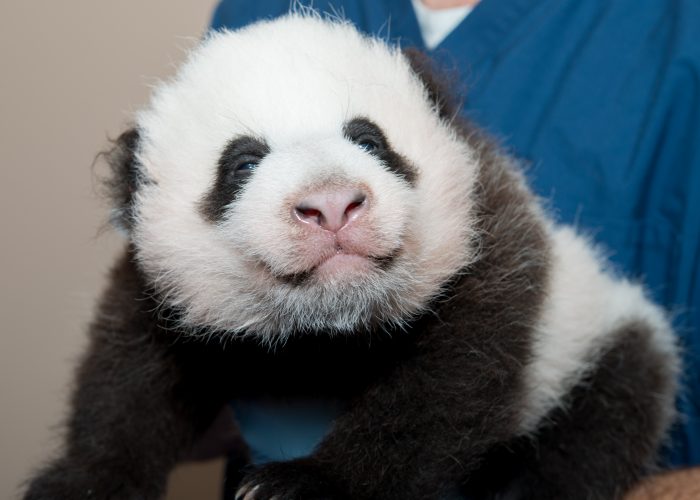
(308, 214)
(353, 207)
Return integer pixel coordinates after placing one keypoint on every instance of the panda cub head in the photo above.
(295, 176)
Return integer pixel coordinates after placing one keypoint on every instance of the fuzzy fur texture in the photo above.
(196, 265)
(479, 348)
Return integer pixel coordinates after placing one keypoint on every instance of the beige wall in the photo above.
(70, 75)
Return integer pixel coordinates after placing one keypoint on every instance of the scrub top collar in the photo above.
(478, 36)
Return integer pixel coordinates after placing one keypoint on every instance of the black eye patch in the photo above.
(369, 137)
(236, 165)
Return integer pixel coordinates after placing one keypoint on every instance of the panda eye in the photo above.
(241, 169)
(247, 167)
(239, 160)
(368, 145)
(366, 136)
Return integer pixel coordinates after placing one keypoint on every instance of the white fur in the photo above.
(584, 307)
(295, 82)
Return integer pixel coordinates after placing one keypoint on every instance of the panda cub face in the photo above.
(295, 177)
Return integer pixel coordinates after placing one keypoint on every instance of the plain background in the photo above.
(71, 75)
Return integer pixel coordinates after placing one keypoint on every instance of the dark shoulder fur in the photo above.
(437, 84)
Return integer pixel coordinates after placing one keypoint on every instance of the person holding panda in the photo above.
(602, 100)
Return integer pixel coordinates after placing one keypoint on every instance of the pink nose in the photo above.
(332, 209)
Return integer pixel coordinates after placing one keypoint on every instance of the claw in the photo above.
(250, 495)
(242, 491)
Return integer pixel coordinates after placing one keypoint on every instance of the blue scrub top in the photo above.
(601, 99)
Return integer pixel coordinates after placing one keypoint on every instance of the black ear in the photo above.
(435, 81)
(125, 177)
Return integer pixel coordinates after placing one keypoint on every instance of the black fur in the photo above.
(229, 181)
(363, 130)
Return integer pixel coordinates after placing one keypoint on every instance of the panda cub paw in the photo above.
(296, 479)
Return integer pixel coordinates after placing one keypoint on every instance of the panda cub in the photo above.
(307, 218)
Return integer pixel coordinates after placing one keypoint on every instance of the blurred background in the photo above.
(71, 75)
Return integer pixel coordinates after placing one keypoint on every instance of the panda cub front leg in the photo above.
(416, 433)
(141, 400)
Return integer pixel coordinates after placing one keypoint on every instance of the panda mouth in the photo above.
(341, 263)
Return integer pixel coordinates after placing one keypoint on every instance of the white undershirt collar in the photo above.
(436, 24)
